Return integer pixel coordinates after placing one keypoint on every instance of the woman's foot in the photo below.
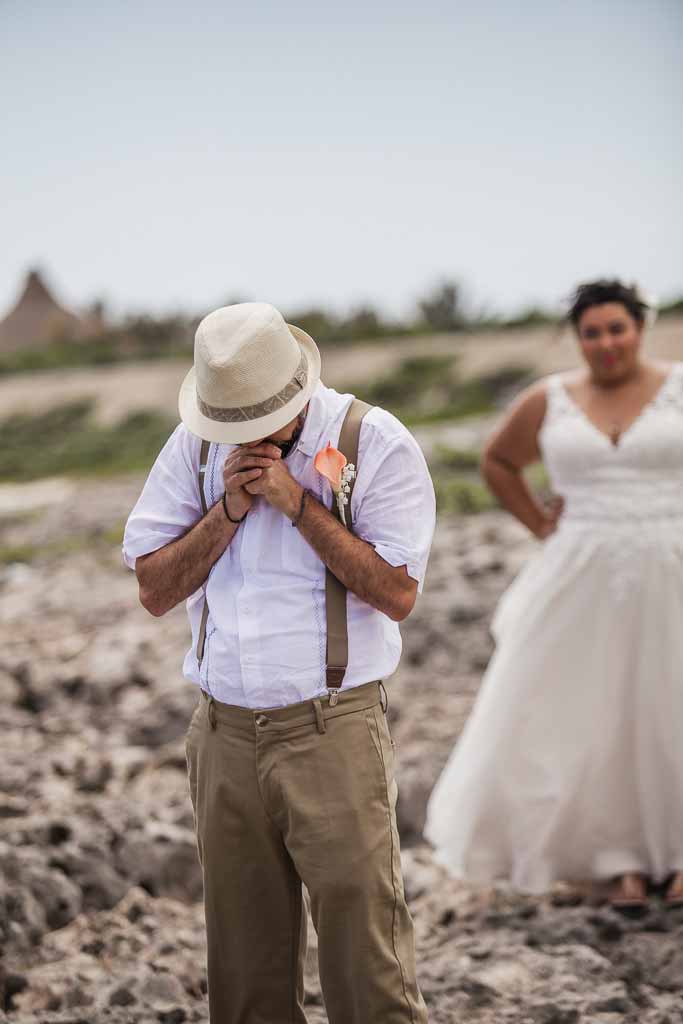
(628, 893)
(674, 892)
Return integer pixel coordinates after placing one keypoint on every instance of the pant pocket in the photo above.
(382, 741)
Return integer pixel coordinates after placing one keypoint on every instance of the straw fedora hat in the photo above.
(252, 374)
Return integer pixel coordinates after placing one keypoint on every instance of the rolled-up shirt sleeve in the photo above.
(169, 503)
(393, 502)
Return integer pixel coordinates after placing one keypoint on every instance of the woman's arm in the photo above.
(514, 445)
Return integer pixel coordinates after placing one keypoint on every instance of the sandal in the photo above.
(629, 893)
(674, 892)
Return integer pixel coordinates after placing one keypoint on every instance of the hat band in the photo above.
(240, 414)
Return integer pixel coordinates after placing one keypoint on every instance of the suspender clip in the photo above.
(333, 694)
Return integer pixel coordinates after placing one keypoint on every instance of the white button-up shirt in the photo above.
(266, 633)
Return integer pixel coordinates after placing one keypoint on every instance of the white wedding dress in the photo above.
(571, 764)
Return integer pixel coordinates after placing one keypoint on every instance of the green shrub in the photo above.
(460, 496)
(675, 306)
(91, 539)
(66, 439)
(426, 389)
(140, 337)
(454, 459)
(410, 381)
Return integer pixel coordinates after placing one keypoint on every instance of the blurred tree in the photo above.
(674, 306)
(321, 325)
(441, 310)
(363, 323)
(532, 316)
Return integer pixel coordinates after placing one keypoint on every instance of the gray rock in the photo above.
(415, 783)
(163, 860)
(94, 803)
(100, 884)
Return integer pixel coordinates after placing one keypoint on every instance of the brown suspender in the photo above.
(201, 638)
(335, 591)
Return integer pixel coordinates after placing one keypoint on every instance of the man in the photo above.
(289, 757)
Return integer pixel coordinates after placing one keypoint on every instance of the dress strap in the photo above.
(557, 400)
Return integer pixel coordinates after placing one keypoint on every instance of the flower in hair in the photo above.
(332, 464)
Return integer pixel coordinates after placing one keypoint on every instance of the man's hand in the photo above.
(353, 561)
(242, 468)
(279, 488)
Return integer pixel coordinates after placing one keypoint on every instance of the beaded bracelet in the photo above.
(225, 509)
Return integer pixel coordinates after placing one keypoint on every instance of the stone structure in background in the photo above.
(37, 319)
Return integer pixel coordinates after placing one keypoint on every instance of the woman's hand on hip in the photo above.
(550, 512)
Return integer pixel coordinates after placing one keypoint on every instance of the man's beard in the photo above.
(286, 446)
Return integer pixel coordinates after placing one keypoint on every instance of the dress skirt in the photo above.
(571, 764)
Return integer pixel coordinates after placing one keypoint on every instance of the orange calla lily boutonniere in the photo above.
(331, 464)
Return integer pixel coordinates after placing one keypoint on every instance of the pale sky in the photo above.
(172, 156)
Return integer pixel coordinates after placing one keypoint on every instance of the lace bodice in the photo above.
(637, 481)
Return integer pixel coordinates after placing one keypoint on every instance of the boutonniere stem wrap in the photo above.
(332, 464)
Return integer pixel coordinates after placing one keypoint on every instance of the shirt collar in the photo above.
(314, 422)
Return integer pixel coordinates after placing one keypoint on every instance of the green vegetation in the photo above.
(65, 439)
(534, 316)
(171, 337)
(675, 306)
(427, 389)
(459, 487)
(455, 460)
(459, 496)
(137, 338)
(87, 539)
(442, 309)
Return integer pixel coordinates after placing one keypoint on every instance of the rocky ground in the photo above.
(100, 887)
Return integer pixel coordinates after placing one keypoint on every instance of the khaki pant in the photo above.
(301, 794)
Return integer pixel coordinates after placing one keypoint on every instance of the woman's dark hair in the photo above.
(595, 293)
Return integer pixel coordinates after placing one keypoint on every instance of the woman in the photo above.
(571, 764)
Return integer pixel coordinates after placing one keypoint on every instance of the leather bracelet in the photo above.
(225, 509)
(297, 518)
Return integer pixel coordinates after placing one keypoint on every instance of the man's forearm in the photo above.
(172, 573)
(356, 563)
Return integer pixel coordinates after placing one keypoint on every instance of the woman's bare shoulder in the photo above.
(532, 399)
(527, 411)
(516, 436)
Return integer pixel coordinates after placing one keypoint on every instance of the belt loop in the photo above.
(212, 713)
(383, 698)
(319, 718)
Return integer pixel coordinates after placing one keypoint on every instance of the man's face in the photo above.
(284, 439)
